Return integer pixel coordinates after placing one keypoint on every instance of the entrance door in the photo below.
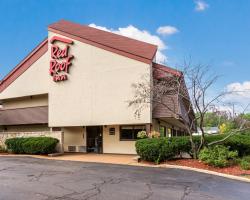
(94, 139)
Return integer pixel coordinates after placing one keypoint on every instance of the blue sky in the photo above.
(214, 32)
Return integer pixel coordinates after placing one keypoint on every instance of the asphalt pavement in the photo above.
(25, 178)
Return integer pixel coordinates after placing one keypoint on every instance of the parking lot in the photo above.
(24, 178)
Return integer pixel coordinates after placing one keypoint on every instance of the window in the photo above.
(130, 132)
(169, 132)
(176, 133)
(163, 131)
(173, 132)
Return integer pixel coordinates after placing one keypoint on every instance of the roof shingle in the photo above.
(108, 39)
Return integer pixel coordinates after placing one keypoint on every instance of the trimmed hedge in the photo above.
(155, 149)
(32, 145)
(238, 142)
(181, 144)
(161, 149)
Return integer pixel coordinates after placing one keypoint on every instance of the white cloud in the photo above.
(167, 30)
(240, 90)
(142, 35)
(239, 94)
(200, 5)
(236, 101)
(161, 57)
(100, 27)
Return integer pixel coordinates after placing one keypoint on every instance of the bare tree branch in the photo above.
(168, 87)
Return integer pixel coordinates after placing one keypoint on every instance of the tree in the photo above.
(214, 119)
(166, 87)
(241, 122)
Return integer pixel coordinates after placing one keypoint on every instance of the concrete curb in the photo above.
(207, 172)
(144, 165)
(194, 169)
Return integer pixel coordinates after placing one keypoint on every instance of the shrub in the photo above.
(151, 149)
(238, 142)
(181, 145)
(245, 163)
(15, 145)
(32, 145)
(217, 156)
(154, 149)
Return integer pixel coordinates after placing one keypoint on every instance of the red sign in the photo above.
(60, 59)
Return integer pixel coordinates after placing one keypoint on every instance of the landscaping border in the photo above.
(207, 172)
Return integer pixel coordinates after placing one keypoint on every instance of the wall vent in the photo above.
(72, 148)
(82, 149)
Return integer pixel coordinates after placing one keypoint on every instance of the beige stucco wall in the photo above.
(24, 102)
(97, 89)
(33, 81)
(112, 143)
(74, 136)
(96, 92)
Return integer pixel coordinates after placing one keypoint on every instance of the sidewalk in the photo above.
(97, 158)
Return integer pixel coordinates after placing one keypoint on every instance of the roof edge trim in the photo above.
(102, 46)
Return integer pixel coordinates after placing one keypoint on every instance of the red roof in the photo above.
(107, 40)
(161, 70)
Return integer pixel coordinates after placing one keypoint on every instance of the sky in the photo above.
(207, 32)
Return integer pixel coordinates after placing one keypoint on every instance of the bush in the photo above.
(158, 149)
(15, 145)
(32, 145)
(238, 142)
(154, 149)
(245, 163)
(217, 156)
(181, 145)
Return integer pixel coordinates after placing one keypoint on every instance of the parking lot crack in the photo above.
(36, 177)
(186, 192)
(6, 168)
(97, 187)
(149, 193)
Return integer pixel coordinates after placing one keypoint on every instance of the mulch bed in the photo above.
(4, 153)
(233, 170)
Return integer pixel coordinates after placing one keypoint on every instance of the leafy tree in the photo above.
(213, 119)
